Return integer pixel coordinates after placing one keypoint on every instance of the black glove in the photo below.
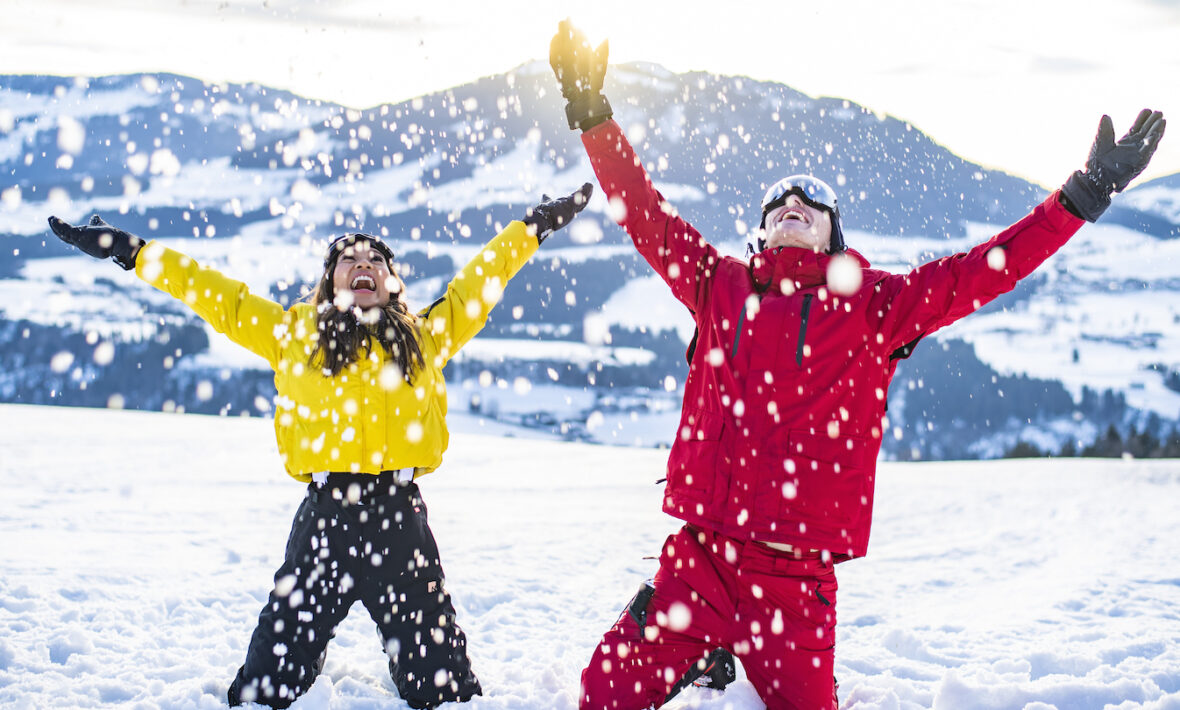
(580, 69)
(551, 215)
(100, 240)
(1111, 166)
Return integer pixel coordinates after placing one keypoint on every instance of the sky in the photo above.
(1017, 85)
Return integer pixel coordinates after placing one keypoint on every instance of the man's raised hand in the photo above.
(581, 70)
(1112, 164)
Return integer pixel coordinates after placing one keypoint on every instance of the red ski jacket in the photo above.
(786, 387)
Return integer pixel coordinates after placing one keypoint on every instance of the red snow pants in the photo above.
(775, 612)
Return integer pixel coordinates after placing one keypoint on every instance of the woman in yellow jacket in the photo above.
(360, 414)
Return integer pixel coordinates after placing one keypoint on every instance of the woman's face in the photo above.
(362, 277)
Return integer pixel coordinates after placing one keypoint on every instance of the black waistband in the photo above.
(360, 488)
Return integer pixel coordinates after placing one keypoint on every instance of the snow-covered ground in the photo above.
(136, 550)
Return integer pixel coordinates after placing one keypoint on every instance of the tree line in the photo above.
(1111, 445)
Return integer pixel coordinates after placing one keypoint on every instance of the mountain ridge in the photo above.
(253, 180)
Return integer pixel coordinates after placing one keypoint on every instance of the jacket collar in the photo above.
(803, 268)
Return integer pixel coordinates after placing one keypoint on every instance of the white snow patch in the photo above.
(647, 302)
(136, 575)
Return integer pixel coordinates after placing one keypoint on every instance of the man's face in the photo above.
(362, 275)
(797, 224)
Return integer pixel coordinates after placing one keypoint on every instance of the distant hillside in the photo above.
(587, 343)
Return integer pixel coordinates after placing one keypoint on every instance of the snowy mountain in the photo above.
(587, 344)
(1153, 207)
(132, 577)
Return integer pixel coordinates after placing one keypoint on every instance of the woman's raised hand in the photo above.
(551, 215)
(100, 240)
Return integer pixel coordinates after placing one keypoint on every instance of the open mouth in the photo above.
(795, 215)
(364, 282)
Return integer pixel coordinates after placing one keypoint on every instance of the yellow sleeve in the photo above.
(463, 310)
(251, 321)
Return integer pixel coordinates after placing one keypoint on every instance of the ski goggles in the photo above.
(815, 192)
(345, 241)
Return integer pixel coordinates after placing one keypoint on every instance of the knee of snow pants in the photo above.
(663, 630)
(308, 600)
(776, 614)
(427, 649)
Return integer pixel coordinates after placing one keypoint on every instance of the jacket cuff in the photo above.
(516, 244)
(149, 263)
(586, 111)
(1058, 214)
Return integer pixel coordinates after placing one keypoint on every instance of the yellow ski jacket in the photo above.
(368, 419)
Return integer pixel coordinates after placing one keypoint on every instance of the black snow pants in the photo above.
(358, 537)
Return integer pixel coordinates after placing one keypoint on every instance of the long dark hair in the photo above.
(342, 335)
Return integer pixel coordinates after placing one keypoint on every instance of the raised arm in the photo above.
(461, 312)
(676, 250)
(227, 305)
(940, 292)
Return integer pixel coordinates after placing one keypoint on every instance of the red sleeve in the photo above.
(939, 293)
(676, 250)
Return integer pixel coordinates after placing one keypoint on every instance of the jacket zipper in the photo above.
(738, 335)
(807, 298)
(803, 328)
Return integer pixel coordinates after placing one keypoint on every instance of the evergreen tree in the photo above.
(1024, 450)
(1109, 445)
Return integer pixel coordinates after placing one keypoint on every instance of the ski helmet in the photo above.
(816, 193)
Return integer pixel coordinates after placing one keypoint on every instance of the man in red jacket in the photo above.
(773, 464)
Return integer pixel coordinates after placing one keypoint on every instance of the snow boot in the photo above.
(716, 670)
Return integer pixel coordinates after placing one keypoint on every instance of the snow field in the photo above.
(139, 547)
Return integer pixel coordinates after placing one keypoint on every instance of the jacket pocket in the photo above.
(815, 480)
(693, 461)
